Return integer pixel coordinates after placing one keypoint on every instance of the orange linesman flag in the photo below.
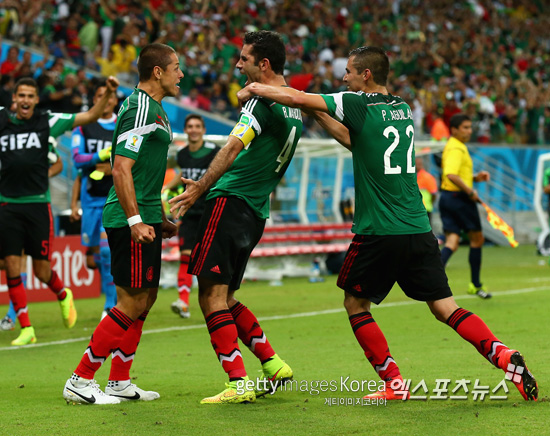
(501, 225)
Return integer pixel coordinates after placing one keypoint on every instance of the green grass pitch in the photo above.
(307, 326)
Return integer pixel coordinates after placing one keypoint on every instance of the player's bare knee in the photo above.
(443, 309)
(43, 274)
(151, 300)
(355, 305)
(134, 308)
(440, 317)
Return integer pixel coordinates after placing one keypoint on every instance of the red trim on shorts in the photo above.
(210, 232)
(136, 257)
(348, 263)
(132, 263)
(51, 233)
(140, 264)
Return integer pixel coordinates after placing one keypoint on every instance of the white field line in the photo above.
(278, 317)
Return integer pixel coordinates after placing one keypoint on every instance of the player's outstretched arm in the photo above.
(283, 95)
(55, 168)
(194, 189)
(97, 109)
(337, 130)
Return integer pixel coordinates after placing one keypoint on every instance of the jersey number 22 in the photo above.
(388, 169)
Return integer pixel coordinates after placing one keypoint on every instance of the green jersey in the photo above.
(387, 198)
(26, 154)
(142, 133)
(270, 132)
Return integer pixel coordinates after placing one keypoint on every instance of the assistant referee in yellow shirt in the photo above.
(457, 204)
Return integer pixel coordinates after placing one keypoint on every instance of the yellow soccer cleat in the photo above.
(480, 291)
(232, 395)
(276, 373)
(26, 337)
(68, 311)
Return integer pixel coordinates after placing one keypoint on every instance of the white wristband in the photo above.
(134, 220)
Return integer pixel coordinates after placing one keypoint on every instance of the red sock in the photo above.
(106, 337)
(185, 280)
(374, 344)
(251, 333)
(57, 286)
(224, 339)
(472, 328)
(123, 355)
(18, 297)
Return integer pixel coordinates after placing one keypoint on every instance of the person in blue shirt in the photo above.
(91, 150)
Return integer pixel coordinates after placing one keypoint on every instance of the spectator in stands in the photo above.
(25, 215)
(191, 99)
(50, 97)
(27, 69)
(219, 93)
(245, 172)
(67, 41)
(393, 239)
(124, 56)
(108, 15)
(71, 102)
(458, 202)
(6, 90)
(12, 64)
(193, 161)
(107, 66)
(88, 34)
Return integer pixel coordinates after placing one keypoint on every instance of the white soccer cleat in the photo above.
(7, 324)
(180, 308)
(83, 391)
(129, 393)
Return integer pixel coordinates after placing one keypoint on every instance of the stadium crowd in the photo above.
(487, 58)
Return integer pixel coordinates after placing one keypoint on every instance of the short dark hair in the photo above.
(267, 45)
(374, 59)
(25, 81)
(193, 117)
(457, 120)
(99, 84)
(151, 56)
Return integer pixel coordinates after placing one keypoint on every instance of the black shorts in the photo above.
(26, 226)
(458, 212)
(134, 265)
(228, 232)
(374, 263)
(187, 231)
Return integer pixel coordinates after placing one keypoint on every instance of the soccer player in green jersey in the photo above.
(393, 241)
(193, 160)
(25, 212)
(245, 172)
(135, 223)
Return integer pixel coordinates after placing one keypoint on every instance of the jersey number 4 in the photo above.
(388, 169)
(287, 148)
